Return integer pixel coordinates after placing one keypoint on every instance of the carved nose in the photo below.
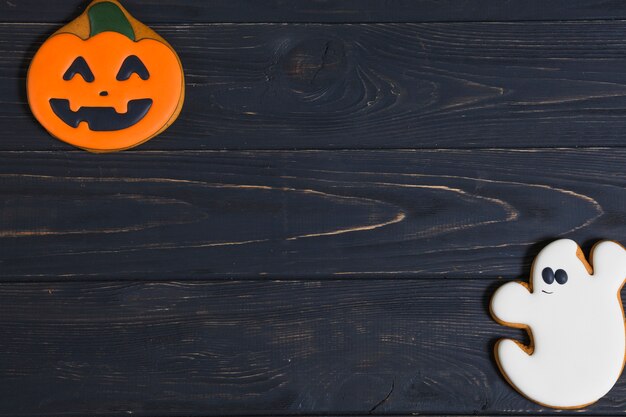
(104, 93)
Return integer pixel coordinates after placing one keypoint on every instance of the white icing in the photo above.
(577, 331)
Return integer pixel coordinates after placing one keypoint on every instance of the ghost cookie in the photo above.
(573, 314)
(105, 82)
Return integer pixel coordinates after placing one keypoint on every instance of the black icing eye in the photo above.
(132, 65)
(560, 276)
(79, 66)
(548, 275)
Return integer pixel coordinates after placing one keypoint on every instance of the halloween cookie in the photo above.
(575, 320)
(105, 82)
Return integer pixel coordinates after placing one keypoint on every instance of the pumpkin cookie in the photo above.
(105, 82)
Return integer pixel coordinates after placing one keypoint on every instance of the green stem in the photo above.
(108, 17)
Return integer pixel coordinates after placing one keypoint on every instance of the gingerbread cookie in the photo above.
(105, 82)
(575, 320)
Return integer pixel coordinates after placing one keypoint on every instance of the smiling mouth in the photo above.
(101, 119)
(546, 292)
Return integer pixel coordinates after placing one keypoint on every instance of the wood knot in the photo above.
(315, 62)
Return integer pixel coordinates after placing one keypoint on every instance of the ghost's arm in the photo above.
(609, 262)
(511, 303)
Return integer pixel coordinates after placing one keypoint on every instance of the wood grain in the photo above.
(322, 214)
(453, 85)
(271, 348)
(267, 255)
(337, 11)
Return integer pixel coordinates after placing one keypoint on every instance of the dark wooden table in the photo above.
(321, 230)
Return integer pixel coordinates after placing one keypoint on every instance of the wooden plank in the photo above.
(316, 214)
(269, 348)
(324, 11)
(371, 86)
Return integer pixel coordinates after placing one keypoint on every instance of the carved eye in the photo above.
(132, 65)
(79, 66)
(560, 276)
(548, 275)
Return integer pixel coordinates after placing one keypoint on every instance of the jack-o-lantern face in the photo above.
(107, 92)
